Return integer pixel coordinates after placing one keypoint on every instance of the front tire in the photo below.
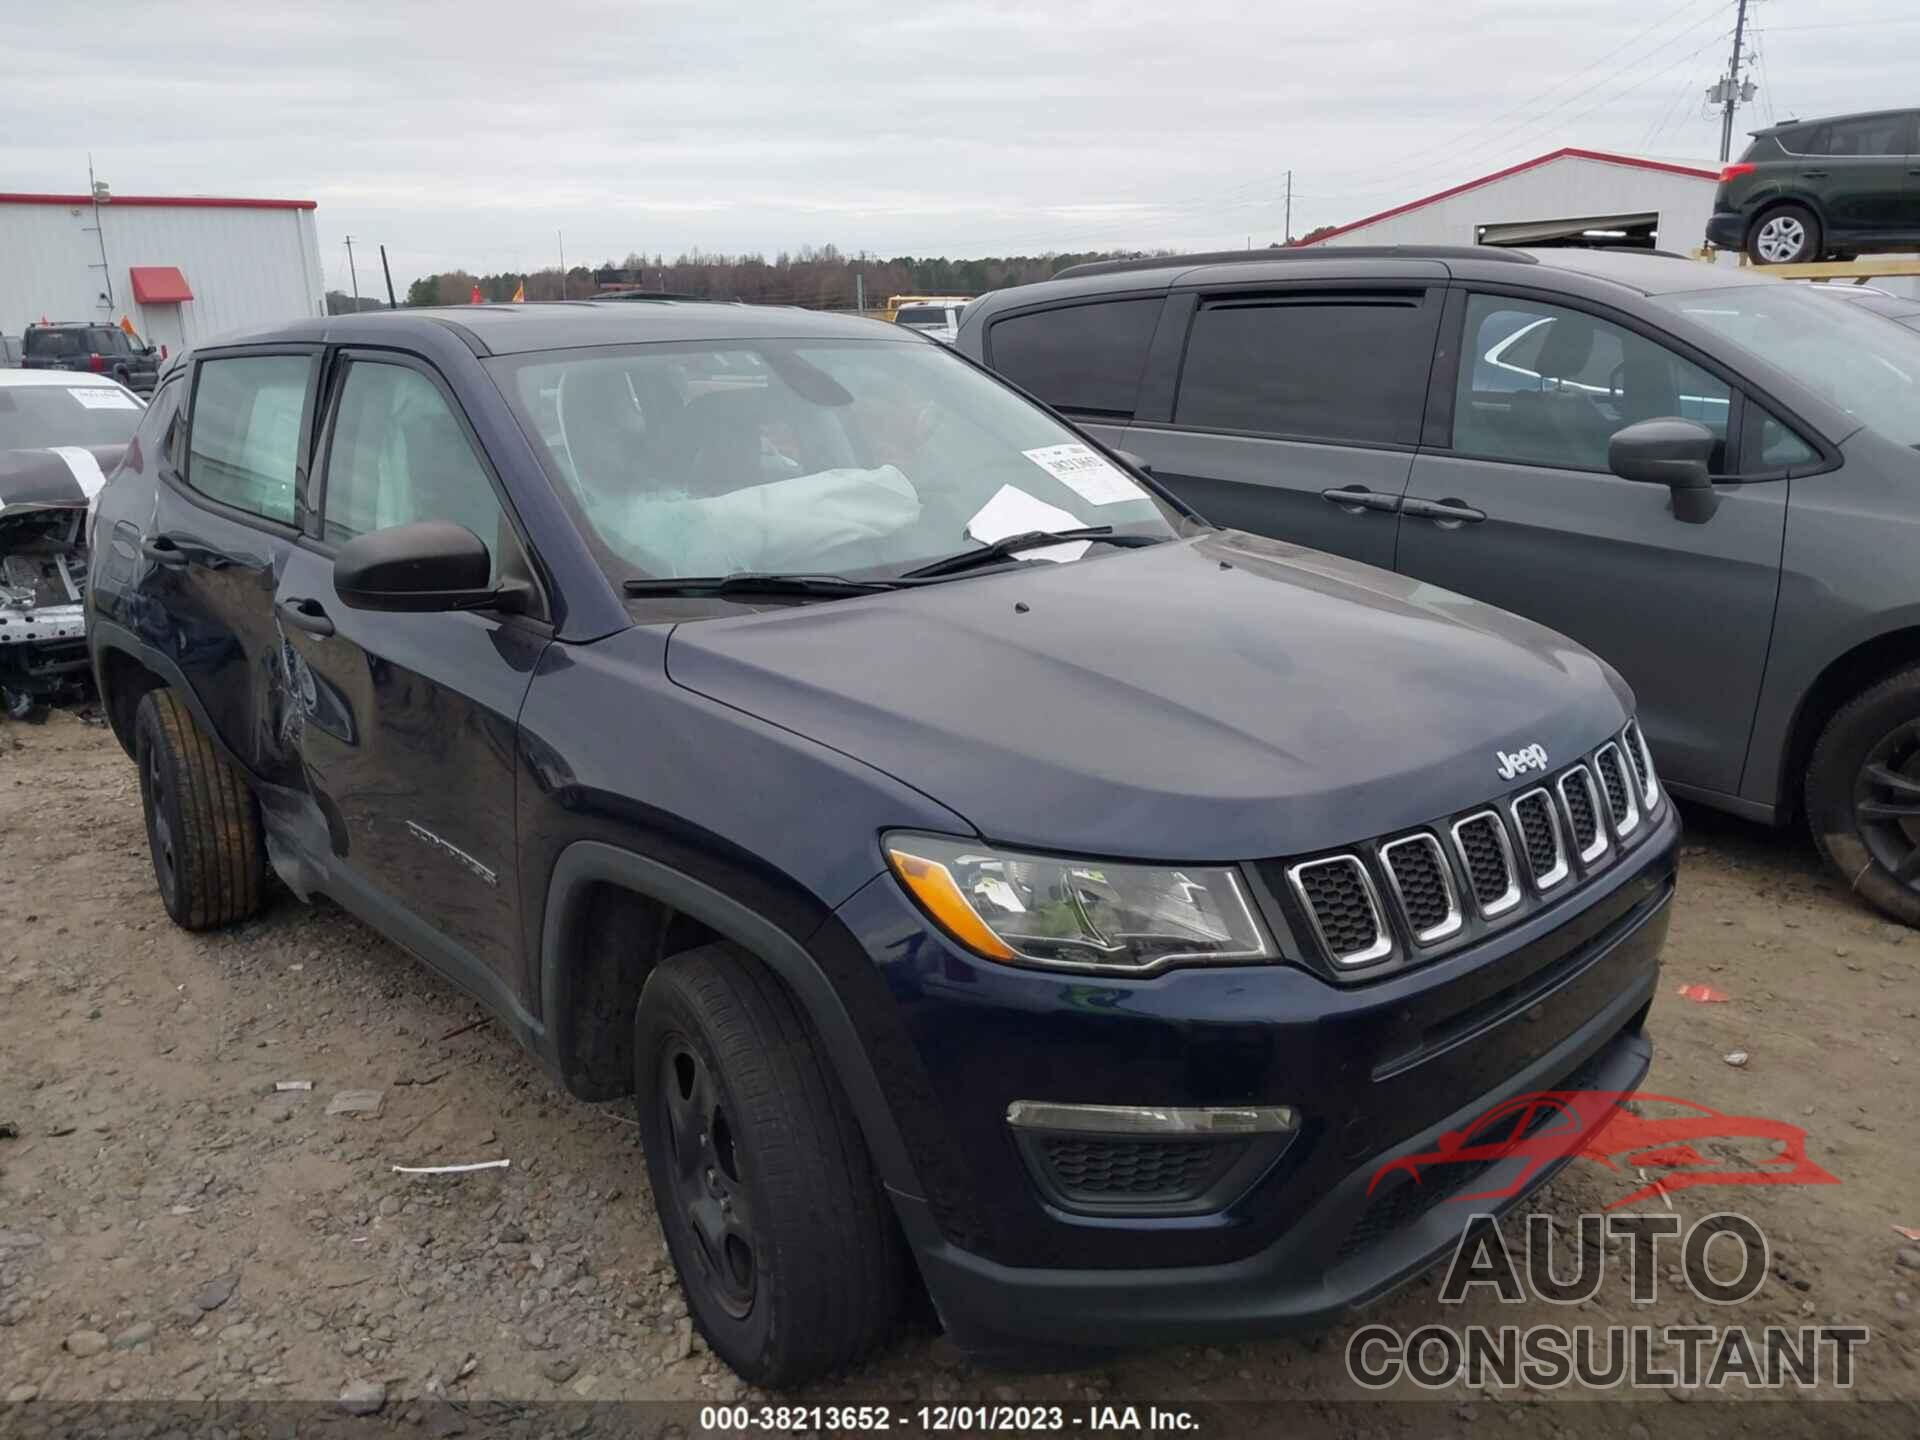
(203, 824)
(1863, 795)
(1784, 235)
(789, 1256)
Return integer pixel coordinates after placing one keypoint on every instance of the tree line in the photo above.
(819, 279)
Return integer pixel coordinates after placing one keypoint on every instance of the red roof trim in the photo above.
(159, 285)
(1567, 152)
(191, 202)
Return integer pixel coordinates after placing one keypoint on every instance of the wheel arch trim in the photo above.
(587, 863)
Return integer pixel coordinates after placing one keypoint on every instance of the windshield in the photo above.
(1849, 356)
(806, 457)
(35, 416)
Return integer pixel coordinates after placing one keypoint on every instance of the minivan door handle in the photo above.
(1444, 512)
(162, 550)
(1358, 497)
(307, 615)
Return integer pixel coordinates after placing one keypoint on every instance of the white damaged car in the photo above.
(61, 433)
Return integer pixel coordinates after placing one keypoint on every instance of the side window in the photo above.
(244, 440)
(1540, 385)
(1342, 368)
(1780, 448)
(1871, 135)
(1083, 359)
(399, 455)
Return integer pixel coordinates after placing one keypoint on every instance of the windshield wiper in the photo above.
(1027, 540)
(748, 582)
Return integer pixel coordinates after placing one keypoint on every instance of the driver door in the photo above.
(406, 723)
(1524, 513)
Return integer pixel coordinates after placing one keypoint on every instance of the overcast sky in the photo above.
(468, 134)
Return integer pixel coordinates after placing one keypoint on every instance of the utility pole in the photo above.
(1286, 231)
(355, 274)
(98, 190)
(561, 239)
(392, 304)
(1730, 87)
(859, 292)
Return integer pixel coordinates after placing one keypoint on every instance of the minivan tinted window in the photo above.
(1084, 359)
(1344, 368)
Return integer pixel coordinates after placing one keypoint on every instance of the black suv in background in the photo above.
(1708, 475)
(103, 349)
(962, 853)
(1806, 189)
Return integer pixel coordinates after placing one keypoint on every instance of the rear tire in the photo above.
(203, 824)
(789, 1255)
(1863, 795)
(1784, 235)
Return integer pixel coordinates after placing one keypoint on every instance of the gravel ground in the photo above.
(173, 1228)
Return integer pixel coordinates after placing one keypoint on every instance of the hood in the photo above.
(62, 477)
(1225, 698)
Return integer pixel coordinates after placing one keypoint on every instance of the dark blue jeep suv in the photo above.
(986, 874)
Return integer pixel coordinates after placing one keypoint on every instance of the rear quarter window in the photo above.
(1082, 359)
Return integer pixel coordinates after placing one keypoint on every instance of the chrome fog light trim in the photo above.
(1153, 1119)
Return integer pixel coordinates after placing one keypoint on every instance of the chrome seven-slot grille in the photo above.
(1490, 859)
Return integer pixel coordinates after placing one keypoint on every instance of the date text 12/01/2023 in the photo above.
(925, 1419)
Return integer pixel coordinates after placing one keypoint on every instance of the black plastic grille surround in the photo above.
(1337, 894)
(1423, 886)
(1586, 824)
(1537, 833)
(1607, 762)
(1091, 1168)
(1486, 859)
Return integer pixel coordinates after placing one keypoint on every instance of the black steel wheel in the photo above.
(788, 1251)
(707, 1193)
(1863, 795)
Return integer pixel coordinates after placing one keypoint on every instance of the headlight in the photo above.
(1078, 914)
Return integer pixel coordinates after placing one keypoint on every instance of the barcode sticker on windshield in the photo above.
(103, 397)
(1086, 473)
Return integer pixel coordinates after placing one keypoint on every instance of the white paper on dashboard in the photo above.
(1012, 511)
(103, 397)
(1086, 473)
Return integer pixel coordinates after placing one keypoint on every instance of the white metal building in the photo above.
(182, 268)
(1561, 196)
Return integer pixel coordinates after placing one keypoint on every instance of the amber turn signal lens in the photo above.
(933, 885)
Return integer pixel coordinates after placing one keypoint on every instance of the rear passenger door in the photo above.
(1857, 170)
(1513, 504)
(219, 534)
(1293, 411)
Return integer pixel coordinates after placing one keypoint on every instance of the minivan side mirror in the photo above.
(1671, 452)
(425, 566)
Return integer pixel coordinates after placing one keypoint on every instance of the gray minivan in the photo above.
(1710, 476)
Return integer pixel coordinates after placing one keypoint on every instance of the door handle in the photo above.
(1813, 174)
(1444, 512)
(307, 615)
(1358, 497)
(163, 551)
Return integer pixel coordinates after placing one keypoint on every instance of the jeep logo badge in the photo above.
(1528, 757)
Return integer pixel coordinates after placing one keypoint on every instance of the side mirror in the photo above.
(426, 566)
(1135, 461)
(1670, 452)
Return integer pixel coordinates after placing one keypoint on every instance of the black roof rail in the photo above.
(1298, 252)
